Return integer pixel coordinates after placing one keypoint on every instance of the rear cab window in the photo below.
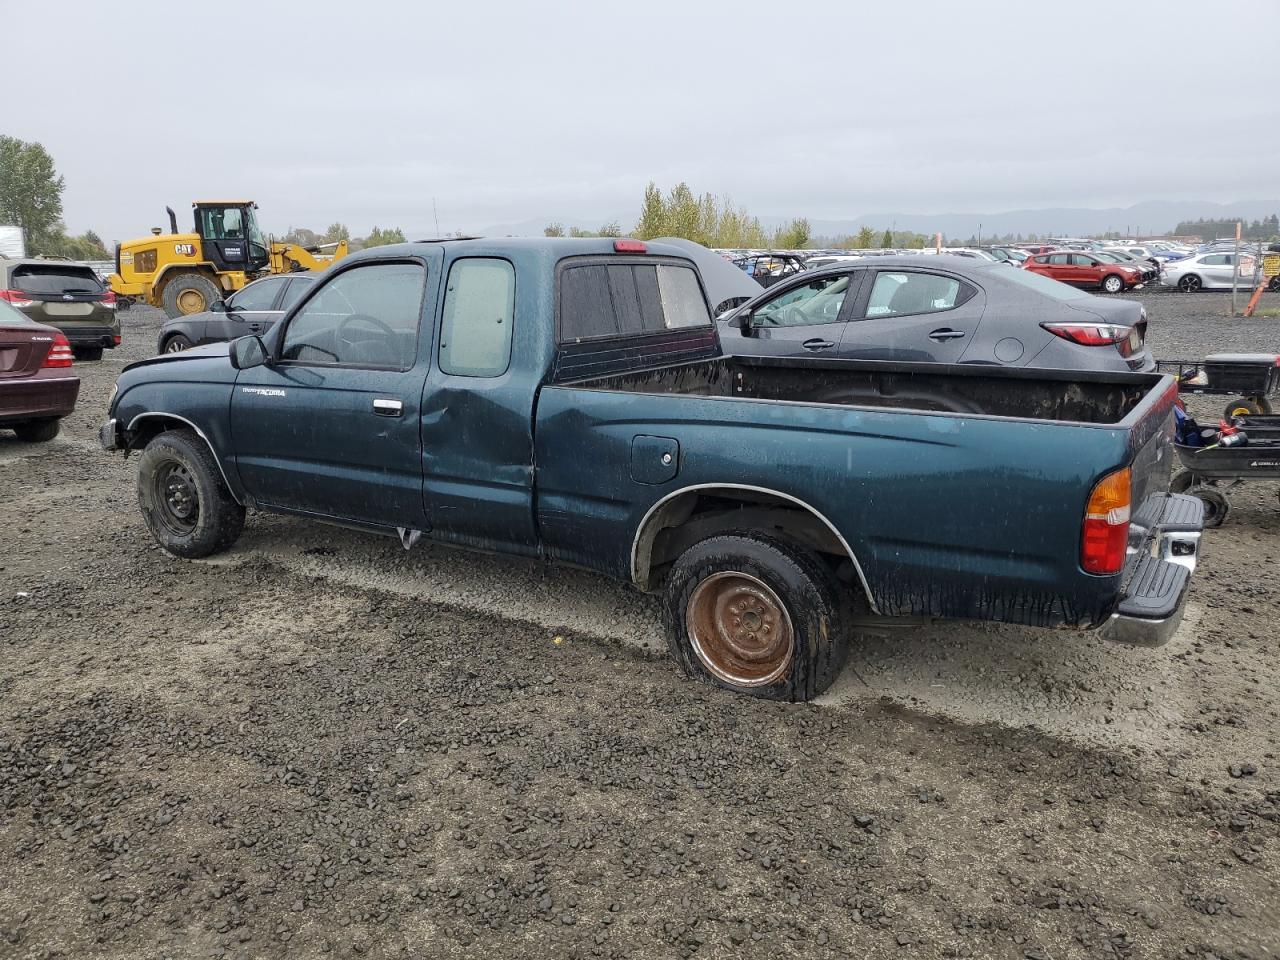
(601, 299)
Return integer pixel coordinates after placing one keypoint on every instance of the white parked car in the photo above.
(1207, 271)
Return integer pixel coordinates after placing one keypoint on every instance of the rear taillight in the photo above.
(60, 354)
(1105, 533)
(109, 299)
(16, 297)
(1089, 334)
(116, 339)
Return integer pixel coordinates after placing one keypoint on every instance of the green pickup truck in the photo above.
(568, 400)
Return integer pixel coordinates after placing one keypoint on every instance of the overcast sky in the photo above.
(363, 111)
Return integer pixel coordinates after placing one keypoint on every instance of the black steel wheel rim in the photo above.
(177, 497)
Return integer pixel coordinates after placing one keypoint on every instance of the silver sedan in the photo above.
(1207, 271)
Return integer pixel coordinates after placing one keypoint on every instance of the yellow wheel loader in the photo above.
(185, 273)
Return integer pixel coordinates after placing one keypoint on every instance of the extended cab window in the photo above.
(365, 317)
(612, 299)
(818, 301)
(479, 310)
(903, 293)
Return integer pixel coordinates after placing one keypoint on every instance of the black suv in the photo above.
(66, 295)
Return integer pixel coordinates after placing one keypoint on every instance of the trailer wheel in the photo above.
(757, 616)
(1246, 407)
(1182, 481)
(1216, 506)
(189, 293)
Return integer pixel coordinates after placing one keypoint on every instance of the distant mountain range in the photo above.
(1152, 217)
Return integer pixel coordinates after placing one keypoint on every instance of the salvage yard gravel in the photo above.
(319, 745)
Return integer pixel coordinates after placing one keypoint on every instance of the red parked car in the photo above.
(1084, 270)
(37, 387)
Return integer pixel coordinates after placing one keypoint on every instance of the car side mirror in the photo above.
(743, 322)
(248, 352)
(218, 306)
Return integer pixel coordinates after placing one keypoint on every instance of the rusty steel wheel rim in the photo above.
(740, 630)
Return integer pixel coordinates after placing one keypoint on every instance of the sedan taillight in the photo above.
(1089, 334)
(16, 297)
(60, 354)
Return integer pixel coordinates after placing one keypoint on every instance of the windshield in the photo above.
(251, 222)
(1042, 284)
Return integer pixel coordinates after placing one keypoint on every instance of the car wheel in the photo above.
(37, 431)
(757, 616)
(1273, 285)
(189, 293)
(88, 353)
(1190, 283)
(177, 343)
(1112, 283)
(1216, 506)
(184, 500)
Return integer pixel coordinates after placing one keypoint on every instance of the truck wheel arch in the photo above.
(688, 515)
(145, 427)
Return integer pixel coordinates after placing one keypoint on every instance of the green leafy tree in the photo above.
(683, 216)
(30, 193)
(866, 239)
(302, 237)
(336, 233)
(887, 240)
(611, 229)
(553, 230)
(380, 238)
(793, 236)
(653, 214)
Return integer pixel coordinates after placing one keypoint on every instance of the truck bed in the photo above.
(970, 390)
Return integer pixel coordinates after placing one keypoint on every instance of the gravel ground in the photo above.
(320, 745)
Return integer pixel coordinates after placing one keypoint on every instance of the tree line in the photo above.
(336, 232)
(1268, 228)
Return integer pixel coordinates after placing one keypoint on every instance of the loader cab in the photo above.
(230, 236)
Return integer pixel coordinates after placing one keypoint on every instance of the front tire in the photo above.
(757, 616)
(37, 431)
(177, 343)
(1112, 283)
(184, 500)
(189, 293)
(1190, 283)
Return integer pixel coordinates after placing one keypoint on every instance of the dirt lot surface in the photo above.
(319, 745)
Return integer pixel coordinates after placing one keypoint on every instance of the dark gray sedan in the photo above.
(940, 309)
(254, 309)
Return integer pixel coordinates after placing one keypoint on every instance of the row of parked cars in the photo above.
(1111, 267)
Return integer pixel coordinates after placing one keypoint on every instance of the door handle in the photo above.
(816, 344)
(388, 408)
(946, 333)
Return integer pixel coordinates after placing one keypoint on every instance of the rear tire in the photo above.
(189, 293)
(37, 431)
(176, 344)
(184, 500)
(1113, 283)
(1190, 283)
(792, 636)
(1216, 506)
(88, 353)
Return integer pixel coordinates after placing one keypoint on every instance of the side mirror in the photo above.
(218, 306)
(743, 322)
(248, 352)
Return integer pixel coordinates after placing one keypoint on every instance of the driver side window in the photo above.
(818, 301)
(364, 317)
